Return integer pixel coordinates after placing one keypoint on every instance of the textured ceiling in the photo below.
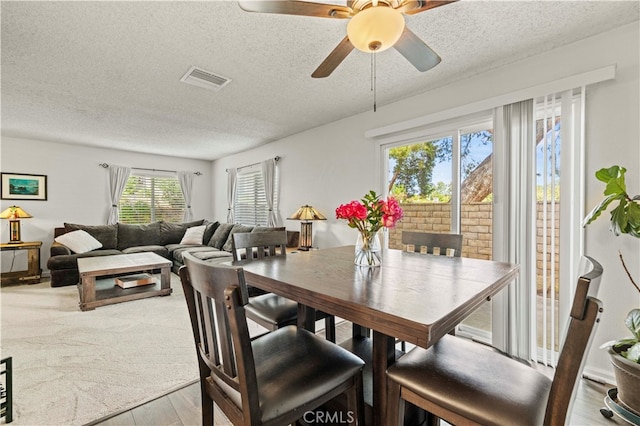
(107, 74)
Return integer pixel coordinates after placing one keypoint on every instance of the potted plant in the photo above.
(625, 219)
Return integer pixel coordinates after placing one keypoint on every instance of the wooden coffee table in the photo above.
(104, 292)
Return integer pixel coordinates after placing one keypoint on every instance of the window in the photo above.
(444, 182)
(250, 206)
(150, 198)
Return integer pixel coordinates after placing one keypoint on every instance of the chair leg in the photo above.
(355, 402)
(207, 407)
(395, 405)
(360, 331)
(330, 328)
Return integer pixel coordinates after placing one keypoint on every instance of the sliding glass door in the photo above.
(503, 189)
(444, 183)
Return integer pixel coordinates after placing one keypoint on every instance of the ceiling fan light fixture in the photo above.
(375, 29)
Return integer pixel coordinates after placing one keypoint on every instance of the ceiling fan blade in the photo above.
(411, 7)
(294, 7)
(334, 59)
(416, 51)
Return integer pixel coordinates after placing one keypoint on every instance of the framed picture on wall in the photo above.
(17, 186)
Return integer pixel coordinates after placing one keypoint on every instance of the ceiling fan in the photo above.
(374, 26)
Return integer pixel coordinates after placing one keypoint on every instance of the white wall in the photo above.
(78, 189)
(335, 163)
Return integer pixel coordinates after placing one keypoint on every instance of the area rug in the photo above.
(71, 367)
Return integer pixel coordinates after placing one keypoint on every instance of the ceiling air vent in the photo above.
(202, 78)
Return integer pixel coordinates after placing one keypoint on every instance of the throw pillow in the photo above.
(79, 241)
(228, 245)
(220, 235)
(106, 234)
(210, 229)
(172, 233)
(193, 236)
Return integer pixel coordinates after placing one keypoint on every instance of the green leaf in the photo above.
(619, 218)
(633, 353)
(605, 175)
(632, 321)
(633, 219)
(597, 210)
(618, 344)
(616, 187)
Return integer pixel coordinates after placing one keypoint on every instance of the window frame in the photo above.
(154, 177)
(260, 214)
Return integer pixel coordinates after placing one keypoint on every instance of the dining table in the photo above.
(412, 297)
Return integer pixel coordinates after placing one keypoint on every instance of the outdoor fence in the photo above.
(476, 228)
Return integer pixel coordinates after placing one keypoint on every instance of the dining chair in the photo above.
(275, 379)
(465, 383)
(270, 310)
(434, 243)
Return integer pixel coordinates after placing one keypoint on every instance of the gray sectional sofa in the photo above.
(162, 238)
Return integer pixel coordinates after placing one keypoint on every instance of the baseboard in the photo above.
(599, 375)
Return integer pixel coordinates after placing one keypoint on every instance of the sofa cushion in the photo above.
(193, 236)
(106, 234)
(177, 252)
(138, 235)
(70, 261)
(172, 233)
(228, 245)
(220, 235)
(213, 254)
(159, 250)
(209, 230)
(79, 241)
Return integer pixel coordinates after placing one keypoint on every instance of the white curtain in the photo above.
(232, 179)
(118, 177)
(514, 219)
(269, 178)
(186, 184)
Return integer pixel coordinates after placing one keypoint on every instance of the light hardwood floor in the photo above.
(182, 407)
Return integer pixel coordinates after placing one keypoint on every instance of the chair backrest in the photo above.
(439, 242)
(258, 245)
(584, 316)
(216, 299)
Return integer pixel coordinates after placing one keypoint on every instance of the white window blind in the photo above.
(559, 173)
(250, 205)
(149, 198)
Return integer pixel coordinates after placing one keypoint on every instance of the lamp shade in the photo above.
(375, 29)
(14, 212)
(307, 213)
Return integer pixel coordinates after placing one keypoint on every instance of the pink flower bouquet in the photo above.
(368, 217)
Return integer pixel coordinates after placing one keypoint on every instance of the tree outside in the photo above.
(414, 169)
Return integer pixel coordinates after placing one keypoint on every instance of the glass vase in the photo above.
(368, 250)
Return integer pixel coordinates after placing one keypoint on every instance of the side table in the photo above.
(33, 272)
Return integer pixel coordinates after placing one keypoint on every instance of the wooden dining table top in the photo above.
(414, 297)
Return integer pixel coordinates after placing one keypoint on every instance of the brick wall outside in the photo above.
(476, 228)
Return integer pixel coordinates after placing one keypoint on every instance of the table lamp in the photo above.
(14, 214)
(306, 214)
